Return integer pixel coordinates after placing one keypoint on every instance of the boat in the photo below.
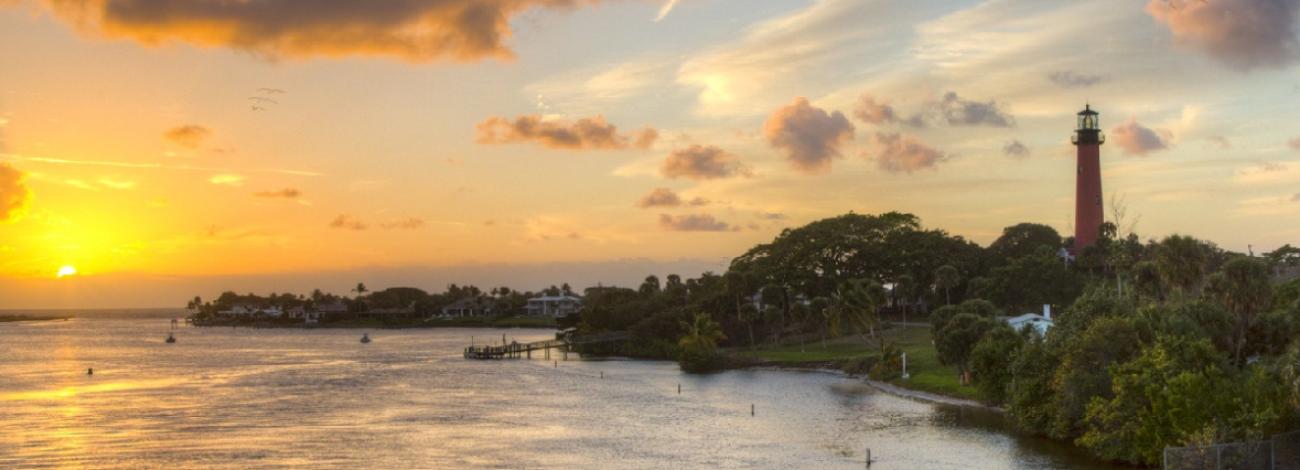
(170, 338)
(365, 338)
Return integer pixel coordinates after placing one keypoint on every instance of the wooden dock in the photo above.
(515, 350)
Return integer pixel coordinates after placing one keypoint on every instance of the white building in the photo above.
(554, 305)
(1042, 323)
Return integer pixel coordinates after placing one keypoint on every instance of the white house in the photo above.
(245, 310)
(1042, 323)
(554, 305)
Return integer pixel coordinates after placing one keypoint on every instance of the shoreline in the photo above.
(24, 318)
(890, 388)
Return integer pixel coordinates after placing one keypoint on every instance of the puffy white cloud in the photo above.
(701, 162)
(1136, 139)
(896, 153)
(809, 135)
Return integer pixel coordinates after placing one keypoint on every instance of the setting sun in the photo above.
(65, 271)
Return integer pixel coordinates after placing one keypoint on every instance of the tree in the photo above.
(360, 289)
(1182, 261)
(702, 333)
(1170, 394)
(830, 316)
(904, 292)
(990, 361)
(650, 286)
(1023, 240)
(860, 301)
(1029, 392)
(1083, 373)
(699, 345)
(946, 278)
(1147, 281)
(1242, 287)
(958, 339)
(748, 315)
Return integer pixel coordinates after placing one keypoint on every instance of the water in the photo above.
(284, 398)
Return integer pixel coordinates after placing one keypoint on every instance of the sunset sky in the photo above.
(171, 148)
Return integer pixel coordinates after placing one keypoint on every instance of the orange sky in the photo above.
(265, 145)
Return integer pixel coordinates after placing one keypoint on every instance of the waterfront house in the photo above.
(554, 305)
(1042, 322)
(333, 308)
(469, 307)
(247, 310)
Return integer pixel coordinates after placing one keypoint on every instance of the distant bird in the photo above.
(257, 108)
(263, 99)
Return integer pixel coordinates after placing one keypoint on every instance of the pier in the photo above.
(516, 350)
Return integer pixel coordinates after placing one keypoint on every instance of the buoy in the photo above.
(365, 338)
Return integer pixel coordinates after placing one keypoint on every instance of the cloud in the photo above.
(1294, 143)
(659, 197)
(700, 162)
(1295, 198)
(1243, 34)
(960, 112)
(227, 179)
(810, 136)
(1072, 79)
(410, 30)
(15, 196)
(404, 224)
(693, 223)
(344, 221)
(286, 193)
(584, 134)
(189, 136)
(897, 153)
(116, 183)
(1015, 149)
(1136, 139)
(871, 112)
(665, 10)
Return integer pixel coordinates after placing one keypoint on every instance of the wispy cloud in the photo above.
(227, 179)
(665, 10)
(188, 136)
(584, 134)
(286, 193)
(693, 223)
(120, 164)
(1135, 139)
(347, 222)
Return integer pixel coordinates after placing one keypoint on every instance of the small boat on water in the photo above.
(170, 338)
(365, 338)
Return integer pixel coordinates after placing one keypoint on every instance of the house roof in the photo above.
(556, 298)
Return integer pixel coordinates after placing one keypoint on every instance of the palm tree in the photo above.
(830, 314)
(1182, 262)
(861, 300)
(360, 289)
(702, 333)
(748, 315)
(946, 278)
(904, 289)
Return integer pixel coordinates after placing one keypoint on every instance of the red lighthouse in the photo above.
(1088, 214)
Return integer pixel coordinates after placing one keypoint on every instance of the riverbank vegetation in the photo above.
(16, 318)
(1163, 342)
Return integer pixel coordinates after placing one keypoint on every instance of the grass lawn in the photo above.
(922, 360)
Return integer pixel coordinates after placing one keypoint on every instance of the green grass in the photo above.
(922, 360)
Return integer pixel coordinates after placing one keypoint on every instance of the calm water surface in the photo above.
(279, 398)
